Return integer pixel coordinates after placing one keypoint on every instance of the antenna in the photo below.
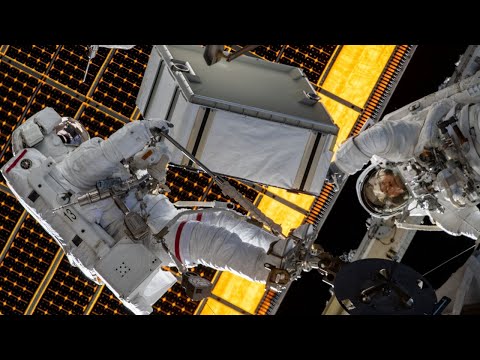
(92, 51)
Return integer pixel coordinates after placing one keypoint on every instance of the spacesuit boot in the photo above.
(281, 263)
(286, 257)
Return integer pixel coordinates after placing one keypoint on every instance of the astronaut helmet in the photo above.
(381, 190)
(72, 132)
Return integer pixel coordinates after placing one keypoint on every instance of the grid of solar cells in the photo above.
(108, 304)
(119, 85)
(10, 212)
(35, 57)
(24, 266)
(68, 293)
(205, 272)
(174, 302)
(268, 52)
(311, 58)
(63, 103)
(16, 89)
(188, 185)
(215, 194)
(69, 67)
(185, 185)
(97, 123)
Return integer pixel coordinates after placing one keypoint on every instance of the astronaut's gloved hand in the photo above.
(159, 170)
(156, 125)
(335, 176)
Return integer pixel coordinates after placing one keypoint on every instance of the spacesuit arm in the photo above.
(429, 132)
(96, 159)
(130, 139)
(354, 153)
(394, 140)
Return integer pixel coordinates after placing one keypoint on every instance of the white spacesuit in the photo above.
(55, 162)
(434, 148)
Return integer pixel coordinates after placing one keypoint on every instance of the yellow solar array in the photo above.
(35, 277)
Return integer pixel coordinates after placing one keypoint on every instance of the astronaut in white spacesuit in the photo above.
(425, 161)
(224, 240)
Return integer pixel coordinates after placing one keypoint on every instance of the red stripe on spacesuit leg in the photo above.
(199, 217)
(177, 240)
(17, 160)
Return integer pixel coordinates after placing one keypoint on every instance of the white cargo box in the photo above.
(249, 118)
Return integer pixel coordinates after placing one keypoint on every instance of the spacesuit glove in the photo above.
(334, 176)
(159, 170)
(157, 125)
